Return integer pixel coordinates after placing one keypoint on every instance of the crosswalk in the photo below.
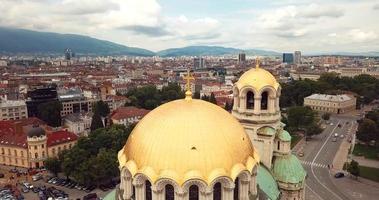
(309, 163)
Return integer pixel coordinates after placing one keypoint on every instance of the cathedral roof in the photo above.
(267, 183)
(288, 169)
(257, 78)
(188, 139)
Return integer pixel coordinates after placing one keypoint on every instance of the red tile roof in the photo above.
(60, 137)
(128, 112)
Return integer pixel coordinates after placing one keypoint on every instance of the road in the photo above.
(318, 154)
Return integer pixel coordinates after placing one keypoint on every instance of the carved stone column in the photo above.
(227, 192)
(208, 194)
(181, 195)
(253, 183)
(242, 107)
(157, 194)
(244, 190)
(139, 189)
(271, 104)
(257, 105)
(235, 102)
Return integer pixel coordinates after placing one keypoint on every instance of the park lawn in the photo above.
(368, 152)
(295, 139)
(369, 173)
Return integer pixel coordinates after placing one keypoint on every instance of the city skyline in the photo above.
(309, 26)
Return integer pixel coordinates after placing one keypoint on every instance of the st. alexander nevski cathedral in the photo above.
(192, 149)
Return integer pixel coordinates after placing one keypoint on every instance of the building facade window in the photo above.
(169, 192)
(217, 191)
(194, 192)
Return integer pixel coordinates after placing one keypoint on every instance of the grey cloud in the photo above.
(320, 11)
(77, 8)
(376, 7)
(152, 31)
(202, 37)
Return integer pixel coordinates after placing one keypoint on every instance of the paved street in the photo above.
(319, 153)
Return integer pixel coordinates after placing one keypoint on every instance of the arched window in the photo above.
(236, 189)
(217, 191)
(134, 192)
(278, 145)
(148, 190)
(264, 101)
(249, 100)
(169, 192)
(194, 192)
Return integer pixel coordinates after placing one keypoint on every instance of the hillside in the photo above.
(26, 41)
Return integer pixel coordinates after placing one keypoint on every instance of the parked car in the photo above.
(342, 136)
(37, 177)
(339, 175)
(27, 185)
(335, 134)
(24, 189)
(90, 188)
(90, 196)
(334, 139)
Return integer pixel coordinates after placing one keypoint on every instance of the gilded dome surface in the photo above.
(188, 139)
(257, 78)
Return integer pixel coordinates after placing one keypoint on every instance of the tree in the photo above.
(212, 99)
(313, 129)
(367, 130)
(53, 165)
(353, 168)
(300, 117)
(325, 116)
(196, 95)
(101, 108)
(50, 112)
(96, 121)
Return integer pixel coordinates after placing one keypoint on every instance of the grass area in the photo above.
(366, 172)
(295, 139)
(368, 152)
(369, 173)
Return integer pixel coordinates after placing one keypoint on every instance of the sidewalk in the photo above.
(341, 155)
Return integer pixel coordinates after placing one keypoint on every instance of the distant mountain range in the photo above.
(212, 51)
(26, 41)
(21, 41)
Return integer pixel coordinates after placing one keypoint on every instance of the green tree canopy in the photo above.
(53, 165)
(367, 130)
(301, 117)
(353, 168)
(101, 108)
(50, 112)
(97, 122)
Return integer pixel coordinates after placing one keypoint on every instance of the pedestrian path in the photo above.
(309, 163)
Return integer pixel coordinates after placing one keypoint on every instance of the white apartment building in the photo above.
(12, 110)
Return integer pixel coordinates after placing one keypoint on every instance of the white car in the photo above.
(331, 124)
(28, 185)
(335, 134)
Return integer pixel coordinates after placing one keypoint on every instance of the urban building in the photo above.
(331, 103)
(73, 101)
(12, 109)
(69, 54)
(199, 63)
(297, 57)
(288, 58)
(128, 115)
(39, 96)
(241, 58)
(28, 142)
(78, 123)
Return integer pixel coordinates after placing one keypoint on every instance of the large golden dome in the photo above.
(188, 139)
(257, 78)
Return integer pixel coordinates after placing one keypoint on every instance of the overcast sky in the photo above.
(281, 25)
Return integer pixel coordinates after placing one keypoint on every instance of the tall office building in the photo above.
(288, 58)
(297, 57)
(199, 63)
(69, 54)
(241, 58)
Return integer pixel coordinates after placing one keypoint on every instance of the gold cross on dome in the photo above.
(257, 62)
(188, 77)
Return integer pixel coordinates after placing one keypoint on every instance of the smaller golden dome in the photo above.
(257, 78)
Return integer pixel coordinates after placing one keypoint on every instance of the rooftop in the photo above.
(327, 97)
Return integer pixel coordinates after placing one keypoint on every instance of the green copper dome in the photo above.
(267, 183)
(288, 169)
(111, 195)
(284, 136)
